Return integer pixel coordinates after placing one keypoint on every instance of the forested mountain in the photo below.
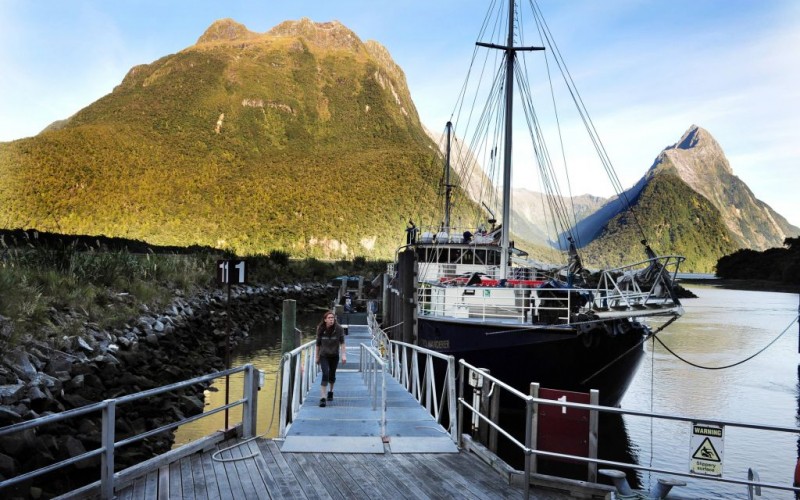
(303, 139)
(689, 203)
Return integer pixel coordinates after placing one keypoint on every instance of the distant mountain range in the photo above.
(305, 139)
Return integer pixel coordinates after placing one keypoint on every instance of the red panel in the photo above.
(563, 430)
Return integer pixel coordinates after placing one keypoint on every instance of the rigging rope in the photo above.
(732, 364)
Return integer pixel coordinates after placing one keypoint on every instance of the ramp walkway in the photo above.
(351, 422)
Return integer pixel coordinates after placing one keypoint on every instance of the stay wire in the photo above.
(732, 364)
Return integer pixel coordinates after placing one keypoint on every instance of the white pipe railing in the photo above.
(108, 409)
(528, 445)
(421, 383)
(373, 371)
(299, 369)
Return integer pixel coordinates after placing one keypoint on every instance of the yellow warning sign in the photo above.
(706, 449)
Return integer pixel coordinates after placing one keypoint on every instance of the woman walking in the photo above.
(330, 345)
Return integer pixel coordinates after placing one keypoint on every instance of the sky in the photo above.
(647, 69)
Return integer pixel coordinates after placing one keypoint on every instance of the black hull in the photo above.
(556, 358)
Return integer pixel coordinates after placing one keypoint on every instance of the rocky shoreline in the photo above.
(187, 340)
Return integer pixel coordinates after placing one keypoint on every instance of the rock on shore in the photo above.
(187, 340)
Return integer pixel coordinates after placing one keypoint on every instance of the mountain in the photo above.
(529, 221)
(700, 162)
(690, 183)
(303, 139)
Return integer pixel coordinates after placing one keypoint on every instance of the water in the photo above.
(720, 328)
(263, 350)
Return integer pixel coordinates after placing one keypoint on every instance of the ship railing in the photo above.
(104, 488)
(523, 304)
(299, 369)
(639, 284)
(491, 389)
(415, 368)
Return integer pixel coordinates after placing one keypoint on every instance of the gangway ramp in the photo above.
(351, 422)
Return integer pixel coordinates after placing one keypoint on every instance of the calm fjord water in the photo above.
(721, 327)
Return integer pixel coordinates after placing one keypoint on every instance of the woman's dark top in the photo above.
(328, 340)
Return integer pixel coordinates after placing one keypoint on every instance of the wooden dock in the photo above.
(271, 473)
(338, 451)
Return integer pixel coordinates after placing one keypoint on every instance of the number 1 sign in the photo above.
(232, 272)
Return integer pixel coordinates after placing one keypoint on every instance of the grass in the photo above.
(49, 292)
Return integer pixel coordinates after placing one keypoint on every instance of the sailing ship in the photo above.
(470, 292)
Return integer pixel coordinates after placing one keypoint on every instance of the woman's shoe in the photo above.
(322, 402)
(330, 395)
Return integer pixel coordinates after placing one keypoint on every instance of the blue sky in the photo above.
(646, 69)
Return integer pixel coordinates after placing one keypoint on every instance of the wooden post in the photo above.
(288, 326)
(385, 315)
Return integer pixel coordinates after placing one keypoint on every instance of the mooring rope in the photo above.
(732, 364)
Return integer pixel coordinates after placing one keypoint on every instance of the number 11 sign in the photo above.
(233, 272)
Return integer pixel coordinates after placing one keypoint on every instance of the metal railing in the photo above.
(373, 371)
(108, 409)
(298, 371)
(640, 289)
(528, 444)
(421, 381)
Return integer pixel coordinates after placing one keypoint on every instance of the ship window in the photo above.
(480, 257)
(467, 257)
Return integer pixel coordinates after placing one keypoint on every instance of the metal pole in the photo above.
(529, 440)
(451, 398)
(107, 460)
(250, 409)
(494, 416)
(594, 399)
(460, 406)
(535, 427)
(227, 351)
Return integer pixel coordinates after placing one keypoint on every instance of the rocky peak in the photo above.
(700, 162)
(331, 34)
(697, 158)
(225, 30)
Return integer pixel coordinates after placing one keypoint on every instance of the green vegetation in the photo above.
(278, 144)
(676, 220)
(56, 290)
(780, 265)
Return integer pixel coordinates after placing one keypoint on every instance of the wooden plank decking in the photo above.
(273, 474)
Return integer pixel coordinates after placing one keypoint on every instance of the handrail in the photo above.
(108, 409)
(529, 449)
(299, 369)
(373, 371)
(421, 383)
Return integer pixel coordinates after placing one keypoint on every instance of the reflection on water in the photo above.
(263, 350)
(721, 327)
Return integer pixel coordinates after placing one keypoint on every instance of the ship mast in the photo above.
(447, 186)
(511, 53)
